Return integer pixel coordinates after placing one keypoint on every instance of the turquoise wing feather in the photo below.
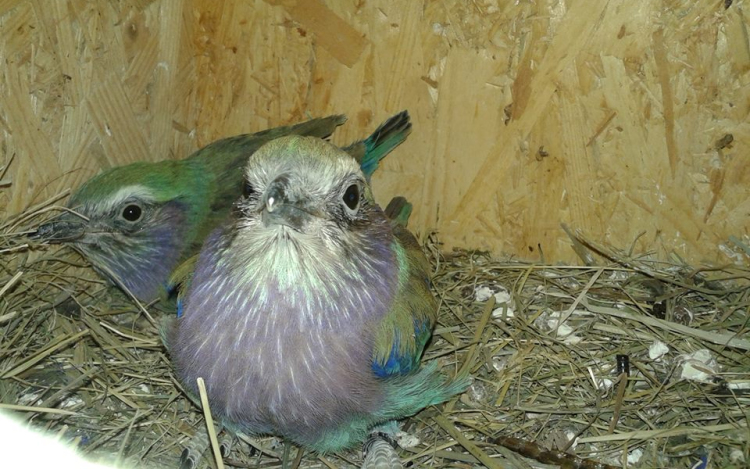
(406, 329)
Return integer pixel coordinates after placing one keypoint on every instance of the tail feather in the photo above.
(409, 394)
(405, 395)
(398, 211)
(374, 148)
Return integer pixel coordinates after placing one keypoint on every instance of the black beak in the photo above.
(62, 229)
(282, 209)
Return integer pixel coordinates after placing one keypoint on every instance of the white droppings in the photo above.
(482, 293)
(619, 275)
(736, 456)
(570, 434)
(477, 392)
(699, 366)
(657, 350)
(407, 440)
(499, 363)
(563, 330)
(28, 398)
(502, 296)
(71, 402)
(605, 383)
(572, 339)
(635, 456)
(505, 306)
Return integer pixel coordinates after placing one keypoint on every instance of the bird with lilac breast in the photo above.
(307, 312)
(136, 223)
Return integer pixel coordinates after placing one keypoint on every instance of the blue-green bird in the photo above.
(308, 311)
(136, 223)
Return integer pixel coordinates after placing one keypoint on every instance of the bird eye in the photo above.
(132, 213)
(248, 189)
(351, 197)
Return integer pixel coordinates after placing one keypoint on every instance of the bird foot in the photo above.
(225, 446)
(378, 436)
(380, 452)
(199, 444)
(189, 459)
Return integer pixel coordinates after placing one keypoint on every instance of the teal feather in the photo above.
(398, 211)
(373, 149)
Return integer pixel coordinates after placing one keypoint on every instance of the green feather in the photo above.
(386, 137)
(405, 396)
(398, 211)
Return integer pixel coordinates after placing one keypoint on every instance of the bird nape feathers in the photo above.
(136, 223)
(309, 309)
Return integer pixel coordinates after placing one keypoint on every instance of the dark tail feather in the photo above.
(234, 151)
(398, 211)
(374, 148)
(321, 127)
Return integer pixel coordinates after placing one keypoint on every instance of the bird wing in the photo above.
(398, 211)
(242, 146)
(403, 332)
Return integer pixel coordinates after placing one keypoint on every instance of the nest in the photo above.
(629, 361)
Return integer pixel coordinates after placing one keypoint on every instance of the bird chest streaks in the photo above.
(271, 373)
(264, 344)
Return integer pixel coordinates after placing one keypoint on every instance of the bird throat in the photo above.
(321, 283)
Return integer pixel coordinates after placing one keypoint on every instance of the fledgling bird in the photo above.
(308, 310)
(142, 220)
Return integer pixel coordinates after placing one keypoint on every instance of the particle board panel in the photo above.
(627, 120)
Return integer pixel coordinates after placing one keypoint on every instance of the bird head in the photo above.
(130, 223)
(305, 196)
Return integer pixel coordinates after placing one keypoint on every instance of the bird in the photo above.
(136, 223)
(308, 310)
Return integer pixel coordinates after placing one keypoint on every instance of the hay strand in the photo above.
(210, 423)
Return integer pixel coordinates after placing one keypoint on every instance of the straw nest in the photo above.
(83, 360)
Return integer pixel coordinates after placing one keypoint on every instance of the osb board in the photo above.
(603, 115)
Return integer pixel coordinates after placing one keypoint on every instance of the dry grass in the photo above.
(79, 358)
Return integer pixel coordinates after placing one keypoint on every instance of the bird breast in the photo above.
(285, 344)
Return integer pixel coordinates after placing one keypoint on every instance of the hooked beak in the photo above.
(62, 229)
(280, 208)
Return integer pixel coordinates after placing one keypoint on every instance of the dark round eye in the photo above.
(351, 196)
(248, 189)
(132, 212)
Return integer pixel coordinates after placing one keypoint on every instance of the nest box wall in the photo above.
(616, 117)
